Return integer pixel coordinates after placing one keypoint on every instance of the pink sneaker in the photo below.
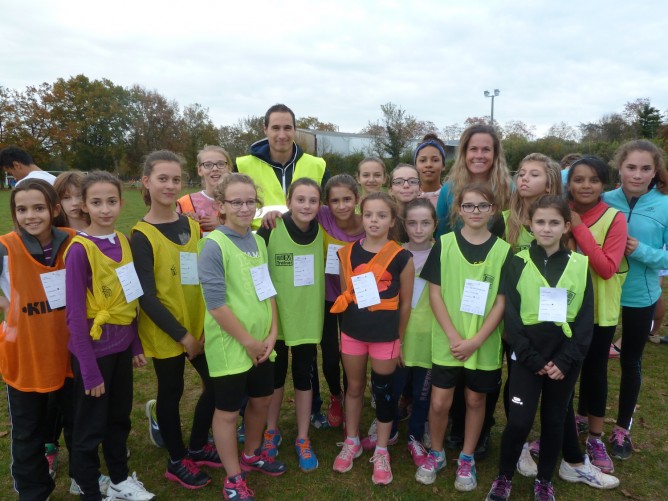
(382, 472)
(417, 450)
(349, 451)
(335, 411)
(534, 448)
(369, 442)
(599, 455)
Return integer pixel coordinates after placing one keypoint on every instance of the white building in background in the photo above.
(318, 143)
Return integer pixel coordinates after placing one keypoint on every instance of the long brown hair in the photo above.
(661, 177)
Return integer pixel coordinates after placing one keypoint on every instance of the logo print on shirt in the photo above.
(283, 259)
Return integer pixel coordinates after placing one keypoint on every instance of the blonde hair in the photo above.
(498, 176)
(217, 149)
(519, 209)
(229, 179)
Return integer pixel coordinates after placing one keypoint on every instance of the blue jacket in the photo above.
(647, 218)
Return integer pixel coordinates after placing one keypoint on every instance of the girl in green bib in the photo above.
(297, 266)
(240, 327)
(464, 271)
(548, 324)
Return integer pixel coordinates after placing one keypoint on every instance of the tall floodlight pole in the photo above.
(492, 95)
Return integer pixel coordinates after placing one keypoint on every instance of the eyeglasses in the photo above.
(210, 165)
(400, 181)
(484, 207)
(237, 204)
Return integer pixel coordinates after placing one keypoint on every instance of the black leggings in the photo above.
(169, 372)
(302, 365)
(594, 377)
(331, 359)
(526, 389)
(636, 324)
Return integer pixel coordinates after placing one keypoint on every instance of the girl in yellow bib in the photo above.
(240, 327)
(548, 323)
(171, 317)
(101, 291)
(297, 266)
(34, 361)
(464, 273)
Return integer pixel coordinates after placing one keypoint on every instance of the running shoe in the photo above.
(206, 456)
(534, 448)
(613, 352)
(130, 489)
(369, 442)
(622, 447)
(187, 473)
(582, 424)
(349, 451)
(599, 455)
(236, 489)
(526, 466)
(335, 411)
(103, 480)
(272, 439)
(153, 427)
(417, 450)
(426, 474)
(51, 454)
(543, 491)
(262, 462)
(382, 471)
(241, 433)
(319, 421)
(587, 474)
(307, 460)
(467, 477)
(500, 490)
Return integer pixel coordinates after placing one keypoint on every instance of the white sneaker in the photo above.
(587, 474)
(373, 428)
(526, 466)
(104, 482)
(130, 490)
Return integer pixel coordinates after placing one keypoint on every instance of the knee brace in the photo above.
(381, 385)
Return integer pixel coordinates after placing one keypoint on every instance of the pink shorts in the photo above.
(386, 350)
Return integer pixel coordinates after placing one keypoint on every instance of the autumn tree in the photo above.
(197, 131)
(237, 138)
(313, 123)
(562, 131)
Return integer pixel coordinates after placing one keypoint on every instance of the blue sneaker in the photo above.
(307, 460)
(319, 421)
(241, 433)
(272, 439)
(467, 478)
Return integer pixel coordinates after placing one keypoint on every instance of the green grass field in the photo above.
(642, 477)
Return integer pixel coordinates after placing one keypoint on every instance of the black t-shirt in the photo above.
(431, 271)
(376, 326)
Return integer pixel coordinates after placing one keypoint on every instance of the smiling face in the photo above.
(377, 219)
(532, 180)
(585, 186)
(429, 164)
(548, 227)
(212, 175)
(342, 202)
(164, 183)
(304, 204)
(239, 219)
(33, 214)
(280, 132)
(409, 188)
(371, 176)
(103, 205)
(636, 172)
(480, 155)
(420, 225)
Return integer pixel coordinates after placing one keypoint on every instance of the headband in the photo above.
(433, 143)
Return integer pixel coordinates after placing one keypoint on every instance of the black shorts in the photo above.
(257, 382)
(446, 377)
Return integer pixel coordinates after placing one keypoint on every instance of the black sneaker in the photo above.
(236, 488)
(187, 473)
(263, 463)
(484, 443)
(621, 445)
(206, 456)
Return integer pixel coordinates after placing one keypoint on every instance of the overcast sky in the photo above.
(340, 60)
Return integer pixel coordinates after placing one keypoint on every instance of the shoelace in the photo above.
(210, 450)
(416, 447)
(598, 450)
(268, 442)
(346, 450)
(618, 436)
(464, 468)
(305, 449)
(380, 462)
(190, 466)
(544, 490)
(501, 486)
(242, 489)
(431, 462)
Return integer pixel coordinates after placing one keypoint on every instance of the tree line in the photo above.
(86, 124)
